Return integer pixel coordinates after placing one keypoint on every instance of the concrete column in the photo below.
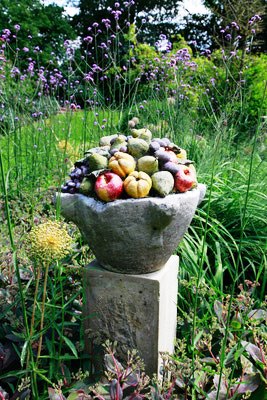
(137, 311)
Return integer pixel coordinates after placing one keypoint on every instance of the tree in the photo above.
(158, 14)
(37, 28)
(237, 15)
(208, 31)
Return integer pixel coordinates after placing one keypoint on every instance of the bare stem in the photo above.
(42, 312)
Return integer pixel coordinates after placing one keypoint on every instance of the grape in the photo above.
(154, 146)
(171, 167)
(166, 142)
(64, 189)
(84, 170)
(71, 184)
(76, 173)
(162, 155)
(113, 140)
(160, 141)
(113, 151)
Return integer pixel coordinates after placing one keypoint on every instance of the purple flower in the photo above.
(14, 72)
(95, 25)
(17, 27)
(212, 81)
(6, 34)
(25, 49)
(117, 5)
(30, 68)
(89, 77)
(116, 14)
(96, 68)
(254, 19)
(106, 22)
(235, 25)
(88, 39)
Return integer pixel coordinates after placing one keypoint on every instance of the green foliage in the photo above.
(159, 10)
(208, 105)
(195, 377)
(43, 26)
(256, 80)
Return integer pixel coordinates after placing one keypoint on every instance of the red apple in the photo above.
(184, 179)
(108, 186)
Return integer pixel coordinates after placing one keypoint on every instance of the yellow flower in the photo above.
(65, 147)
(49, 241)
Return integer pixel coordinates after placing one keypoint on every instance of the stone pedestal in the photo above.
(138, 311)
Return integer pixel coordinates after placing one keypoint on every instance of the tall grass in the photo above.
(224, 247)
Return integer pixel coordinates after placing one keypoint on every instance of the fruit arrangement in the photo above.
(134, 166)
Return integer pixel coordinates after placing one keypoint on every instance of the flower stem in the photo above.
(42, 312)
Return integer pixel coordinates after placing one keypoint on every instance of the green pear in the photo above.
(148, 164)
(137, 147)
(86, 187)
(118, 142)
(105, 140)
(162, 182)
(143, 133)
(96, 161)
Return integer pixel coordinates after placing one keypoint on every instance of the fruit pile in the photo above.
(132, 166)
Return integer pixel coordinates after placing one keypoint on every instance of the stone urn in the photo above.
(133, 236)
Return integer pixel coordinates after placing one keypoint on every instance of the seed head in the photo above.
(49, 241)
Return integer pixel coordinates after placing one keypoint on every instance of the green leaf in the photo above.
(198, 337)
(23, 353)
(70, 345)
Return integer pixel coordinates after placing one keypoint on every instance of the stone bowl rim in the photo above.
(200, 188)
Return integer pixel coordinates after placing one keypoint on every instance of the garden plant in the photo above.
(214, 105)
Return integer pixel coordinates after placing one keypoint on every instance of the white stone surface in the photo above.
(138, 311)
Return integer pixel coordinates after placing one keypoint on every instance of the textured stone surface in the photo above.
(133, 236)
(138, 311)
